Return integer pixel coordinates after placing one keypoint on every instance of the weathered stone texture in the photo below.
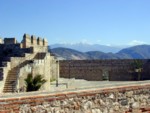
(15, 57)
(10, 41)
(131, 99)
(97, 69)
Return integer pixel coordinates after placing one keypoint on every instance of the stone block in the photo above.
(10, 41)
(39, 41)
(45, 42)
(33, 40)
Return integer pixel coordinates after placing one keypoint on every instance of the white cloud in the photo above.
(85, 41)
(99, 41)
(136, 42)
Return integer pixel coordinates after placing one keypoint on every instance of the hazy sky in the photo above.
(107, 22)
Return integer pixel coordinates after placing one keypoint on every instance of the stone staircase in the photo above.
(11, 79)
(10, 82)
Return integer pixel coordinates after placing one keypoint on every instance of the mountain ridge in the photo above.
(135, 52)
(85, 47)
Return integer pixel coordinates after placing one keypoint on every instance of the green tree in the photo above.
(138, 67)
(34, 83)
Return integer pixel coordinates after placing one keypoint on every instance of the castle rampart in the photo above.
(19, 55)
(33, 40)
(26, 42)
(38, 44)
(10, 41)
(113, 70)
(119, 99)
(39, 41)
(45, 42)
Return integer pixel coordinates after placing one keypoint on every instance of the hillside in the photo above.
(101, 55)
(84, 47)
(66, 53)
(135, 52)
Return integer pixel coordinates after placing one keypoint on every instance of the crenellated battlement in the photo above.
(28, 41)
(32, 41)
(10, 41)
(16, 58)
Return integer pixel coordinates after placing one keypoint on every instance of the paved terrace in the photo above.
(77, 85)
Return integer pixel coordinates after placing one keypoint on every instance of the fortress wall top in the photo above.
(36, 44)
(26, 41)
(40, 41)
(116, 70)
(45, 42)
(33, 40)
(10, 41)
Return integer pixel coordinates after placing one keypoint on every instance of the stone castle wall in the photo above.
(20, 54)
(98, 69)
(10, 41)
(121, 99)
(38, 67)
(29, 43)
(32, 41)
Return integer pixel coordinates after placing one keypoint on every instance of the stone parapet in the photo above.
(45, 42)
(26, 41)
(39, 41)
(10, 41)
(119, 99)
(32, 41)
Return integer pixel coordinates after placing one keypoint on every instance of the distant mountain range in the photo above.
(84, 47)
(135, 52)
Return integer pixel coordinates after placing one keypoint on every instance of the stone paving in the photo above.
(75, 84)
(81, 96)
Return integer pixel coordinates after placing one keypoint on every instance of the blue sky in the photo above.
(106, 22)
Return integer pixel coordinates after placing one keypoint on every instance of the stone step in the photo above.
(10, 87)
(9, 83)
(12, 72)
(12, 75)
(12, 78)
(6, 88)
